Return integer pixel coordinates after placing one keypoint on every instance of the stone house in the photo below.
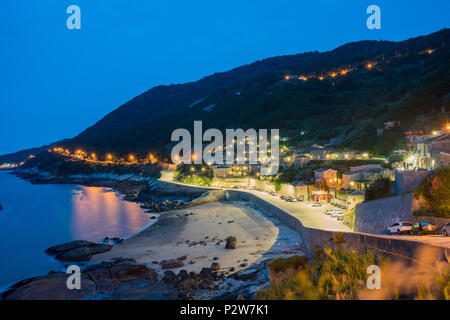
(329, 176)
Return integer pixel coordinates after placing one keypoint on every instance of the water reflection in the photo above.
(35, 217)
(99, 212)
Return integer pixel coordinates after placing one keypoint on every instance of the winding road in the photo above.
(315, 217)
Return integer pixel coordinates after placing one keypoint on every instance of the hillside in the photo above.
(364, 84)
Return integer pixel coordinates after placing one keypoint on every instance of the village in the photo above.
(330, 180)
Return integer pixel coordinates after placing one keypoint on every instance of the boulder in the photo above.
(183, 274)
(67, 246)
(248, 274)
(231, 243)
(83, 253)
(79, 250)
(215, 266)
(205, 272)
(78, 254)
(50, 287)
(126, 270)
(171, 264)
(169, 277)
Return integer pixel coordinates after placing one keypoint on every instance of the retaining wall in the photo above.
(354, 240)
(406, 181)
(314, 237)
(374, 216)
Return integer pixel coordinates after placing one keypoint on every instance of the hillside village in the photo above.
(326, 176)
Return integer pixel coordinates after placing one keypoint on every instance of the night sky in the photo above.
(55, 82)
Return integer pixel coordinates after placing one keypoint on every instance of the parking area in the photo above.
(311, 217)
(315, 217)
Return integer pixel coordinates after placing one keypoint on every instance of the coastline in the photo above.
(193, 233)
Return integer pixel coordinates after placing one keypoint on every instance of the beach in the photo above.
(199, 234)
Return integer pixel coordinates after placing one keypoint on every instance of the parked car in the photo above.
(333, 211)
(289, 199)
(446, 229)
(282, 197)
(421, 228)
(316, 204)
(400, 228)
(338, 214)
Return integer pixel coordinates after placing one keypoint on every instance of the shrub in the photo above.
(332, 274)
(351, 218)
(380, 188)
(294, 262)
(435, 192)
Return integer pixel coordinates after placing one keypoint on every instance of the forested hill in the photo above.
(348, 92)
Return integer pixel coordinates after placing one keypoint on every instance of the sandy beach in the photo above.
(199, 233)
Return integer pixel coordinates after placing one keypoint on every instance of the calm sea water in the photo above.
(35, 217)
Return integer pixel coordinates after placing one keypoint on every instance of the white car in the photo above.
(334, 212)
(338, 214)
(446, 229)
(400, 228)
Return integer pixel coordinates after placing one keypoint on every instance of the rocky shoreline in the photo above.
(118, 276)
(124, 278)
(133, 188)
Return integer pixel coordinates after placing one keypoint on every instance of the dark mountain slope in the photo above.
(405, 83)
(256, 95)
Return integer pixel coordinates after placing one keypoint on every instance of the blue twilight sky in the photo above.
(55, 82)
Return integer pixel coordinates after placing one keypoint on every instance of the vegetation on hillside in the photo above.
(435, 192)
(61, 166)
(194, 174)
(405, 84)
(378, 189)
(332, 274)
(341, 274)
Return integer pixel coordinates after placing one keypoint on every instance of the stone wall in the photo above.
(409, 180)
(314, 237)
(175, 188)
(375, 216)
(354, 240)
(287, 190)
